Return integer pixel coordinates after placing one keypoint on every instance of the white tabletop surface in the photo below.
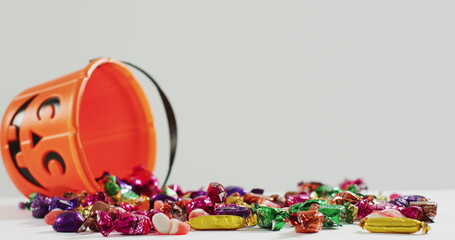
(19, 224)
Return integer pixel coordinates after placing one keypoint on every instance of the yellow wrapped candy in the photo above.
(393, 225)
(214, 222)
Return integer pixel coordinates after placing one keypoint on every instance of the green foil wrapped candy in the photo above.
(334, 215)
(327, 191)
(270, 218)
(305, 206)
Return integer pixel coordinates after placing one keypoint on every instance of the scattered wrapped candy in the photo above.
(40, 206)
(132, 224)
(355, 186)
(136, 206)
(351, 212)
(63, 203)
(162, 197)
(365, 208)
(92, 198)
(174, 211)
(429, 210)
(259, 191)
(310, 186)
(196, 194)
(307, 221)
(236, 200)
(327, 191)
(393, 225)
(216, 192)
(254, 198)
(202, 202)
(144, 182)
(277, 199)
(345, 197)
(231, 209)
(235, 189)
(297, 198)
(404, 201)
(217, 222)
(305, 206)
(334, 215)
(68, 222)
(126, 223)
(270, 218)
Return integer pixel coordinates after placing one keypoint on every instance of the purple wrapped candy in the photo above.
(231, 209)
(259, 191)
(234, 189)
(414, 198)
(68, 222)
(63, 203)
(293, 199)
(196, 194)
(40, 206)
(202, 202)
(216, 192)
(161, 197)
(399, 201)
(404, 201)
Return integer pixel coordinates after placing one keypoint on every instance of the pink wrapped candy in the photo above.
(298, 198)
(202, 202)
(127, 223)
(365, 208)
(216, 192)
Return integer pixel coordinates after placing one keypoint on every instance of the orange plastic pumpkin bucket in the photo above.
(59, 136)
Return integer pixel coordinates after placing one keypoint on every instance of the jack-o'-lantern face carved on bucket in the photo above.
(40, 113)
(61, 135)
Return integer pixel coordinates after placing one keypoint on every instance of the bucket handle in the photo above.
(170, 119)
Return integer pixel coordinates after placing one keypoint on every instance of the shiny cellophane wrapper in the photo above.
(217, 222)
(429, 210)
(307, 221)
(393, 225)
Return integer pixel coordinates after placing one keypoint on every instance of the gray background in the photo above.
(267, 93)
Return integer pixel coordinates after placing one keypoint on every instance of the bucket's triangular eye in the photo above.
(35, 139)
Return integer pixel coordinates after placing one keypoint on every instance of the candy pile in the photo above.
(137, 206)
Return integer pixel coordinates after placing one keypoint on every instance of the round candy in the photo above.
(68, 222)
